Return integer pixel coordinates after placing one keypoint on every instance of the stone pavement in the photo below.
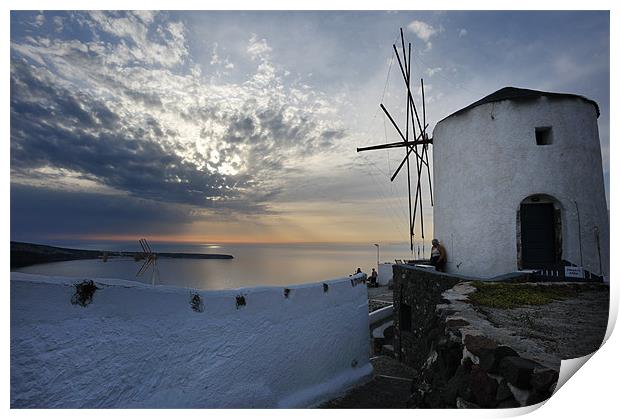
(389, 388)
(379, 297)
(383, 294)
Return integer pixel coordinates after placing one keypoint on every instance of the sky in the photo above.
(243, 126)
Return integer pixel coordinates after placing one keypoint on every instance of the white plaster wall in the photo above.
(486, 162)
(144, 347)
(384, 273)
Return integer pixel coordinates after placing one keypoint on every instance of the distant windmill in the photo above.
(416, 142)
(150, 260)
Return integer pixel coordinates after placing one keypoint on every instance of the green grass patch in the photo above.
(511, 295)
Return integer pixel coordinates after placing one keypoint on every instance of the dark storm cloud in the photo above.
(54, 127)
(117, 105)
(148, 99)
(40, 211)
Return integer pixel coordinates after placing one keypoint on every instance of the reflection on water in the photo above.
(253, 264)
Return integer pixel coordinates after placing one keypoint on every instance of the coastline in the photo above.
(27, 254)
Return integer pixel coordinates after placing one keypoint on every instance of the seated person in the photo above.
(438, 256)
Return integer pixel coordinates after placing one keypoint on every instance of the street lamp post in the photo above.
(377, 256)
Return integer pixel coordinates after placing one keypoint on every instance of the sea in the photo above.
(253, 264)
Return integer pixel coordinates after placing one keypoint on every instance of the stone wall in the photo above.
(462, 360)
(420, 290)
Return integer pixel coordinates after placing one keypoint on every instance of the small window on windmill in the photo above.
(405, 318)
(544, 136)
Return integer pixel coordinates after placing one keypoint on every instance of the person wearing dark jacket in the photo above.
(373, 279)
(438, 256)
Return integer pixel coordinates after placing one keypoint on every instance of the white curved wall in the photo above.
(486, 161)
(142, 346)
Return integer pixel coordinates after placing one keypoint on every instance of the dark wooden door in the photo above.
(537, 236)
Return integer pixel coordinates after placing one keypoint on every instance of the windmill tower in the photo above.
(518, 181)
(519, 185)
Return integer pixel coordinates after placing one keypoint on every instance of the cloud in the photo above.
(216, 60)
(462, 33)
(39, 20)
(128, 109)
(58, 23)
(258, 48)
(146, 16)
(432, 71)
(423, 31)
(126, 105)
(137, 41)
(37, 211)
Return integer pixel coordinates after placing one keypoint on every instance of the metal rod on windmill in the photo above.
(411, 143)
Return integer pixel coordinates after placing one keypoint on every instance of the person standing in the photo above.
(373, 279)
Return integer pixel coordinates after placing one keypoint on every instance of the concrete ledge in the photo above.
(380, 315)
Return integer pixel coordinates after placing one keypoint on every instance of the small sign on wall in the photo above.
(573, 272)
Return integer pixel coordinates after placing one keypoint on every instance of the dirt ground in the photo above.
(567, 329)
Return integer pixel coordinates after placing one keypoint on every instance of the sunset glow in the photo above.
(174, 126)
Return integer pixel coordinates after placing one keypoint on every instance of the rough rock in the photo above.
(433, 400)
(502, 352)
(456, 323)
(458, 385)
(464, 404)
(543, 378)
(503, 391)
(508, 404)
(483, 387)
(518, 371)
(483, 348)
(463, 359)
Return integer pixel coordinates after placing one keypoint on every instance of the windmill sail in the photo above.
(416, 143)
(150, 260)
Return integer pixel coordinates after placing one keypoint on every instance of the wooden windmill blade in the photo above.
(408, 65)
(148, 247)
(151, 260)
(428, 169)
(145, 266)
(405, 142)
(406, 80)
(419, 159)
(411, 146)
(397, 144)
(143, 246)
(411, 143)
(410, 103)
